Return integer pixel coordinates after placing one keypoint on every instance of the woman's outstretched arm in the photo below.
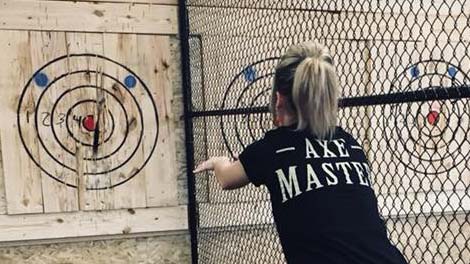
(230, 175)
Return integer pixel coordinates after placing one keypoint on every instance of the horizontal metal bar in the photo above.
(234, 111)
(429, 94)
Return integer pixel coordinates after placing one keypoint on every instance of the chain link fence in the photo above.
(404, 69)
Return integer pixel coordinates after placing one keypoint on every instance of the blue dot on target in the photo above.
(452, 72)
(130, 81)
(41, 79)
(249, 73)
(414, 71)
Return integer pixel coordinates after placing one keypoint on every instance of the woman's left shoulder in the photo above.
(344, 134)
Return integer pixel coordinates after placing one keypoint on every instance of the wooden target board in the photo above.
(88, 121)
(428, 139)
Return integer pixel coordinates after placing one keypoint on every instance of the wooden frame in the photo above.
(148, 2)
(84, 224)
(88, 17)
(140, 21)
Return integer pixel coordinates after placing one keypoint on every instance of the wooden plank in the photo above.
(83, 224)
(46, 46)
(160, 174)
(78, 43)
(3, 201)
(22, 176)
(48, 241)
(88, 17)
(148, 2)
(123, 49)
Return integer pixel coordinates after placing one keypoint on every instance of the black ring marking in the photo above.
(71, 134)
(261, 115)
(409, 157)
(22, 96)
(412, 152)
(240, 97)
(229, 89)
(61, 163)
(78, 103)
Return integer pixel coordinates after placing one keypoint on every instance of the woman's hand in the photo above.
(230, 175)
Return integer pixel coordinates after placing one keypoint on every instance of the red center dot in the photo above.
(433, 117)
(89, 123)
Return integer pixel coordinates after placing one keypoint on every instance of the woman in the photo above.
(317, 174)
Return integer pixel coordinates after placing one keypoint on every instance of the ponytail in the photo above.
(307, 76)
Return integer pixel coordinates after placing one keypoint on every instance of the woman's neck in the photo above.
(287, 120)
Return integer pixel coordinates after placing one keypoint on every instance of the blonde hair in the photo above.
(306, 75)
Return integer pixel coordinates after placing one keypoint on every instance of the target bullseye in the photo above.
(88, 118)
(426, 135)
(89, 123)
(74, 123)
(433, 117)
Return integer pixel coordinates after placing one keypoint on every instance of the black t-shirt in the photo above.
(323, 205)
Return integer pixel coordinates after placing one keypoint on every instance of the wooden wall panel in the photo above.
(148, 2)
(83, 224)
(46, 46)
(23, 187)
(115, 45)
(124, 48)
(121, 82)
(90, 43)
(88, 17)
(155, 62)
